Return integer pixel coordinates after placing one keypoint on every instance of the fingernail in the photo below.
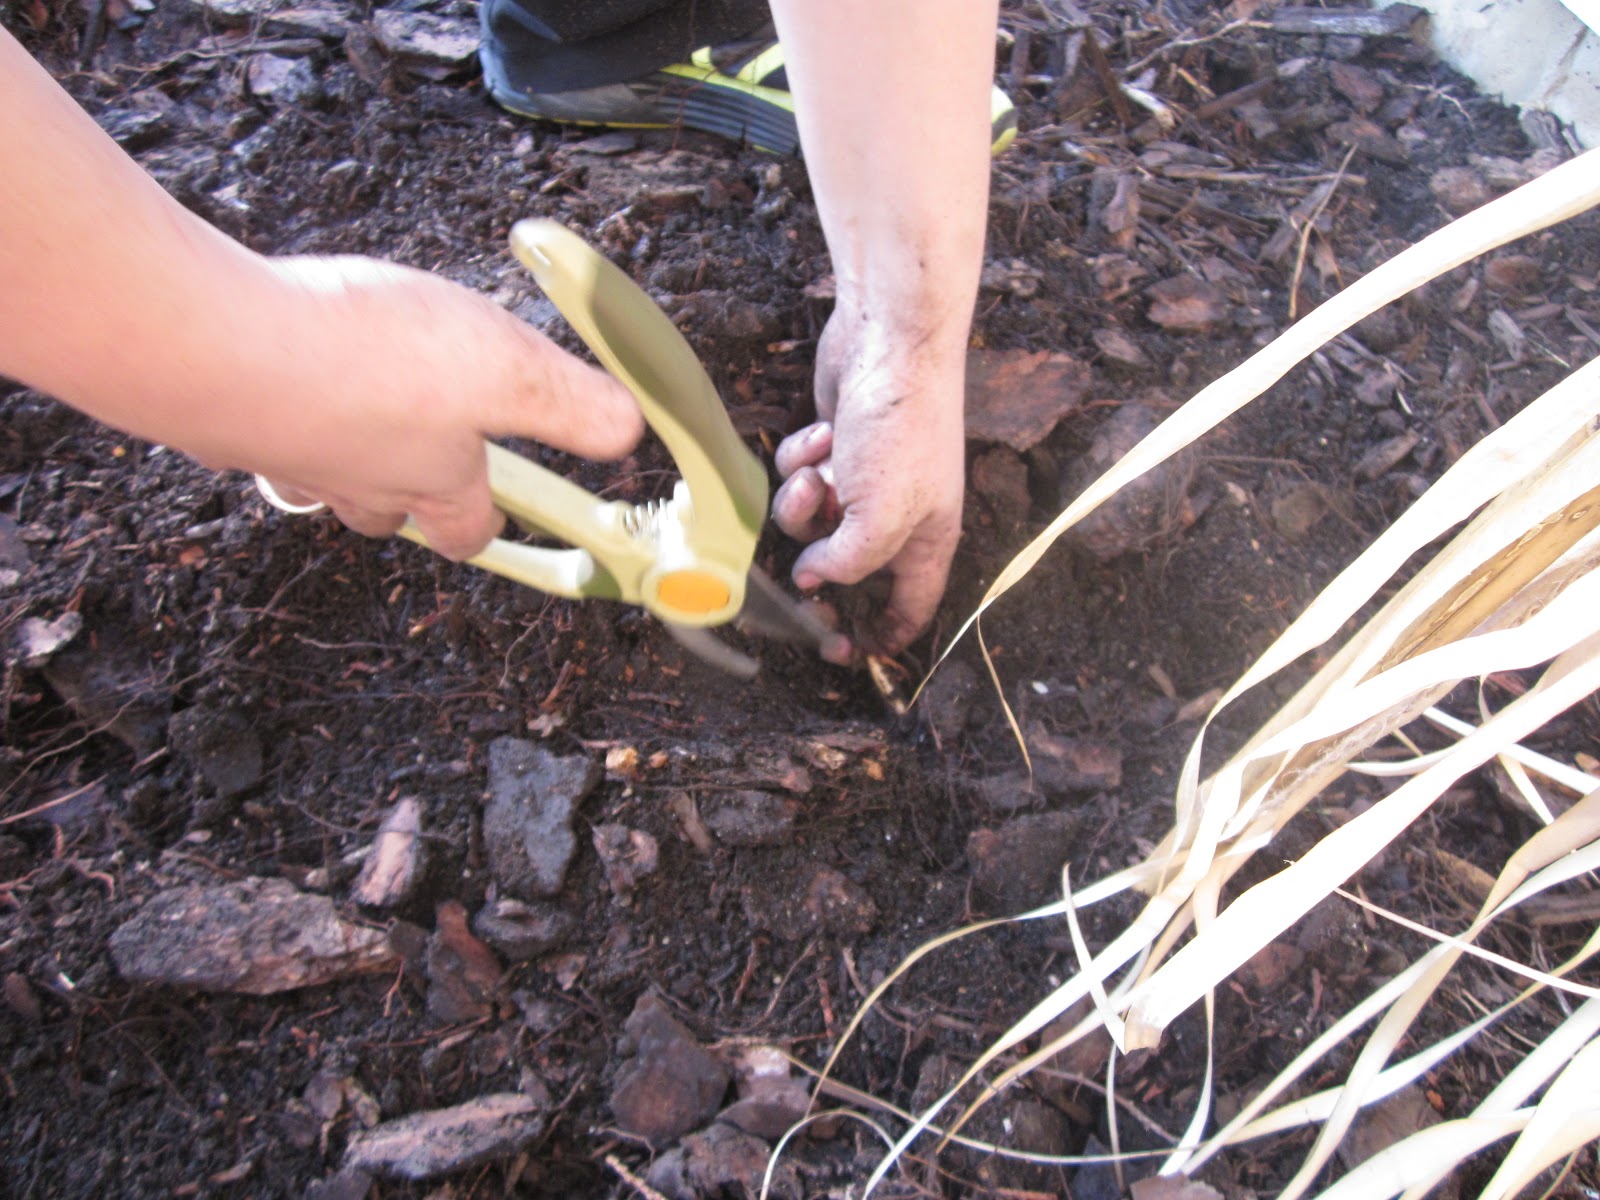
(807, 582)
(836, 648)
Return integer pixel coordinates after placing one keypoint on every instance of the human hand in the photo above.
(877, 481)
(401, 380)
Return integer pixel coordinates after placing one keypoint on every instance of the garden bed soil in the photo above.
(240, 698)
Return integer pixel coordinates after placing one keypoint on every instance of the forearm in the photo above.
(116, 298)
(893, 105)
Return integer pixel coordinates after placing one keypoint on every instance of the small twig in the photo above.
(49, 804)
(1305, 231)
(632, 1180)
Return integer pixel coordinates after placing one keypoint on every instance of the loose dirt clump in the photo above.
(581, 884)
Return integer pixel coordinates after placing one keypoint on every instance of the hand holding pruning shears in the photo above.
(687, 558)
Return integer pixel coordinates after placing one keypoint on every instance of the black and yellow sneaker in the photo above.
(737, 90)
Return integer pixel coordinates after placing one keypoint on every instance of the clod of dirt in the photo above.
(257, 936)
(1063, 765)
(627, 855)
(1459, 189)
(749, 818)
(670, 1084)
(826, 902)
(1383, 1124)
(774, 768)
(1271, 965)
(397, 859)
(1009, 792)
(946, 703)
(463, 973)
(771, 1098)
(1297, 512)
(1085, 1057)
(114, 688)
(1151, 508)
(1514, 273)
(527, 822)
(1016, 397)
(1015, 1120)
(725, 315)
(721, 1161)
(999, 479)
(1018, 865)
(219, 745)
(522, 932)
(428, 1145)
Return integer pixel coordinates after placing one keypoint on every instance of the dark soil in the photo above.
(251, 692)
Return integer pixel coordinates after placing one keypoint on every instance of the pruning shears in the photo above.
(687, 559)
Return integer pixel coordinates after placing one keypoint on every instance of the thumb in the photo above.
(564, 402)
(848, 555)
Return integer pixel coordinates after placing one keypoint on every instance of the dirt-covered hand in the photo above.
(384, 411)
(877, 481)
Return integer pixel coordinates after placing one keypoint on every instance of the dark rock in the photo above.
(427, 1145)
(802, 905)
(257, 936)
(220, 745)
(670, 1084)
(1019, 864)
(527, 823)
(749, 818)
(1096, 1180)
(522, 932)
(114, 688)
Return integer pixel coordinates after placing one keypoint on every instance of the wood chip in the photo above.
(1393, 21)
(427, 1145)
(1016, 397)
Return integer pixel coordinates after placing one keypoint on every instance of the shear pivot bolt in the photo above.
(696, 592)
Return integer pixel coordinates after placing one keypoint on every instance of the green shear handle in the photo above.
(685, 559)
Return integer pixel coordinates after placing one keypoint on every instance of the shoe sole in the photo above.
(701, 98)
